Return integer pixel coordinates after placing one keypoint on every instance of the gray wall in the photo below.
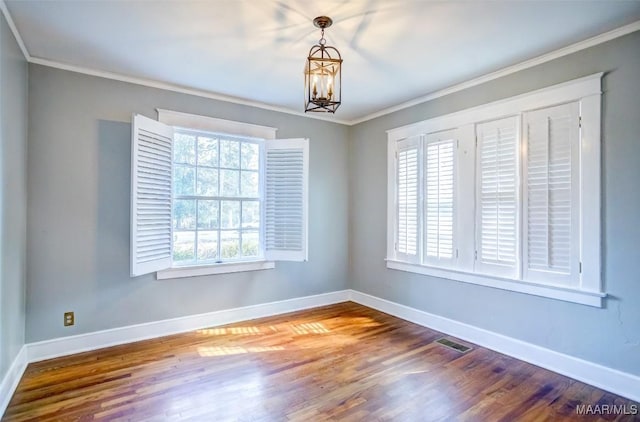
(13, 195)
(609, 336)
(78, 212)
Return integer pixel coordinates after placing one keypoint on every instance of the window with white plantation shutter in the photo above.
(151, 184)
(439, 198)
(497, 197)
(551, 208)
(407, 201)
(214, 196)
(286, 199)
(505, 194)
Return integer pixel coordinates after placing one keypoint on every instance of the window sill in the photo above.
(561, 293)
(224, 268)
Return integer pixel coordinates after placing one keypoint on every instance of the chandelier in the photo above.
(323, 74)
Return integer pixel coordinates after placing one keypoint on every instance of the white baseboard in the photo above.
(618, 382)
(63, 346)
(613, 380)
(9, 383)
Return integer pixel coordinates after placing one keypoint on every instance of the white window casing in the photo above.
(223, 268)
(151, 189)
(590, 204)
(286, 199)
(538, 152)
(212, 124)
(497, 198)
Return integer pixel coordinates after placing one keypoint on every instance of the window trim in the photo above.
(199, 123)
(219, 268)
(586, 91)
(211, 124)
(584, 297)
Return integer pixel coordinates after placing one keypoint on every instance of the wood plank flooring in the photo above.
(342, 362)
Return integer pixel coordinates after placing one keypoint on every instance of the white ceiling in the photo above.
(393, 50)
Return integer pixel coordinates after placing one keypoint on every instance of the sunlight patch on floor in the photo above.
(252, 331)
(296, 329)
(209, 351)
(310, 328)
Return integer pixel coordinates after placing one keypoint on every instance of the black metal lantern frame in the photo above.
(323, 74)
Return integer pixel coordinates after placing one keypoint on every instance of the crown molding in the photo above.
(14, 30)
(150, 82)
(177, 88)
(565, 51)
(570, 49)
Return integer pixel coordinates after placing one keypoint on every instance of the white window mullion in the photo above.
(497, 216)
(465, 197)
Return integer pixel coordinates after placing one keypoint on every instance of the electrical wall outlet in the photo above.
(69, 319)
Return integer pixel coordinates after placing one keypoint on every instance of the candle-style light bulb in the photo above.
(315, 86)
(323, 86)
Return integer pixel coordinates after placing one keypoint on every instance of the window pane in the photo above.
(230, 182)
(230, 244)
(250, 214)
(184, 246)
(207, 214)
(184, 214)
(207, 182)
(250, 243)
(207, 151)
(250, 154)
(249, 183)
(184, 179)
(439, 161)
(230, 214)
(229, 154)
(407, 197)
(207, 245)
(209, 230)
(184, 148)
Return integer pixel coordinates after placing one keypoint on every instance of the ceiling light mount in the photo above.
(322, 22)
(323, 74)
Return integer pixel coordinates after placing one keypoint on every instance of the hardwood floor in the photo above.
(340, 362)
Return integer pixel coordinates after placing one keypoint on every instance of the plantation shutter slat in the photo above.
(286, 199)
(151, 188)
(407, 195)
(552, 197)
(439, 199)
(497, 195)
